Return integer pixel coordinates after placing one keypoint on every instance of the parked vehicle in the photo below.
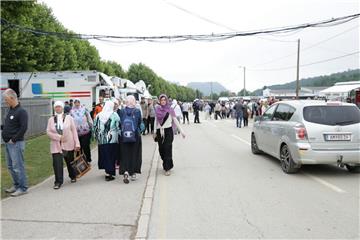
(309, 132)
(65, 85)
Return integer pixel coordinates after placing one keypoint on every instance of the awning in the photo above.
(340, 88)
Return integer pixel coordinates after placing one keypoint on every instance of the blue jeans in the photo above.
(239, 118)
(15, 163)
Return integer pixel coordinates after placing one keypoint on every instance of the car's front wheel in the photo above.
(353, 168)
(287, 163)
(254, 147)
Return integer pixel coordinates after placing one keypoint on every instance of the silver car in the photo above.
(309, 132)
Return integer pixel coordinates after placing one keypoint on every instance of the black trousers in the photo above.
(165, 147)
(85, 145)
(58, 165)
(246, 121)
(145, 123)
(196, 119)
(185, 115)
(150, 124)
(217, 113)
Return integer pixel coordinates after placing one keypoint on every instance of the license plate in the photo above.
(337, 137)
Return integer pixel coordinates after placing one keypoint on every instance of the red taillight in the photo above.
(301, 133)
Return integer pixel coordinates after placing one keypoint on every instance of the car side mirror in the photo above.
(257, 118)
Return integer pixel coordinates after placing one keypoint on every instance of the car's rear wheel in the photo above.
(254, 147)
(353, 168)
(287, 163)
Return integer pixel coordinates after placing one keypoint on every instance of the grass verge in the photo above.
(38, 163)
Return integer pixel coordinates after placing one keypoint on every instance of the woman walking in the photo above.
(84, 124)
(131, 146)
(61, 130)
(165, 118)
(106, 131)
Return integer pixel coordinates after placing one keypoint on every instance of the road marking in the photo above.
(240, 139)
(325, 183)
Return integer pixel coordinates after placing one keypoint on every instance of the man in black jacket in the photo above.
(14, 128)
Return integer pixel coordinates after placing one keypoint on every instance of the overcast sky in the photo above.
(218, 61)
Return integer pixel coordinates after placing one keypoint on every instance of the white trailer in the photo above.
(62, 85)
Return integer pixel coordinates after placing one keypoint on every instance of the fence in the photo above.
(39, 111)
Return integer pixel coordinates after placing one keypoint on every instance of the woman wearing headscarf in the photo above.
(165, 119)
(106, 131)
(62, 132)
(84, 124)
(131, 146)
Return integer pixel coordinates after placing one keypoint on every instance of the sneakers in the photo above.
(73, 180)
(167, 173)
(57, 186)
(133, 177)
(126, 177)
(18, 193)
(11, 190)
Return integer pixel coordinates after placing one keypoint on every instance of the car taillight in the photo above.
(301, 133)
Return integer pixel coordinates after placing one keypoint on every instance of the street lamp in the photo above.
(244, 80)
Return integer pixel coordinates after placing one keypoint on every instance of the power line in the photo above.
(176, 38)
(217, 23)
(306, 48)
(307, 64)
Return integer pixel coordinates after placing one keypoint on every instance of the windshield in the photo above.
(332, 115)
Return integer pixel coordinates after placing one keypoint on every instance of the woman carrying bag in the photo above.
(62, 131)
(165, 121)
(131, 144)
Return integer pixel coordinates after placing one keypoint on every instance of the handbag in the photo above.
(80, 165)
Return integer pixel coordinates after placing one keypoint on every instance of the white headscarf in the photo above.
(59, 116)
(106, 112)
(130, 101)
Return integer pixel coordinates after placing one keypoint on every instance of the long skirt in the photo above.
(131, 157)
(107, 157)
(165, 147)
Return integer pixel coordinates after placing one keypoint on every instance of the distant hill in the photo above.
(205, 87)
(319, 81)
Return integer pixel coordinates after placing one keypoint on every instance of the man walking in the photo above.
(196, 107)
(145, 112)
(239, 113)
(14, 128)
(185, 112)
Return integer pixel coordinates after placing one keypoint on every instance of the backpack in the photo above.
(128, 128)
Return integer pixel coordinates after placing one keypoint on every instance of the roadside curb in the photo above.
(142, 229)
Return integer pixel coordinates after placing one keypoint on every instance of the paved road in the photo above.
(90, 208)
(219, 189)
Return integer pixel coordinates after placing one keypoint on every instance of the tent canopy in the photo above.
(340, 88)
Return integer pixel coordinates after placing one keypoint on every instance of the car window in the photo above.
(283, 112)
(269, 113)
(332, 115)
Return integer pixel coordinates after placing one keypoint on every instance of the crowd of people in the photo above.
(117, 126)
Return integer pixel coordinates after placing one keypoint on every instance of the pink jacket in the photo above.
(71, 140)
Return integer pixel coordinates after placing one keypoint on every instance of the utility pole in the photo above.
(297, 71)
(244, 83)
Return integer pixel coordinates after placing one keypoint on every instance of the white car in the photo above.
(309, 132)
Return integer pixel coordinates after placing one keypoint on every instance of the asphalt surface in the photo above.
(90, 208)
(219, 189)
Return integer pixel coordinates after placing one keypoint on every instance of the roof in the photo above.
(341, 88)
(298, 103)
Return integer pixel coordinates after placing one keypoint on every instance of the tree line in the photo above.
(28, 52)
